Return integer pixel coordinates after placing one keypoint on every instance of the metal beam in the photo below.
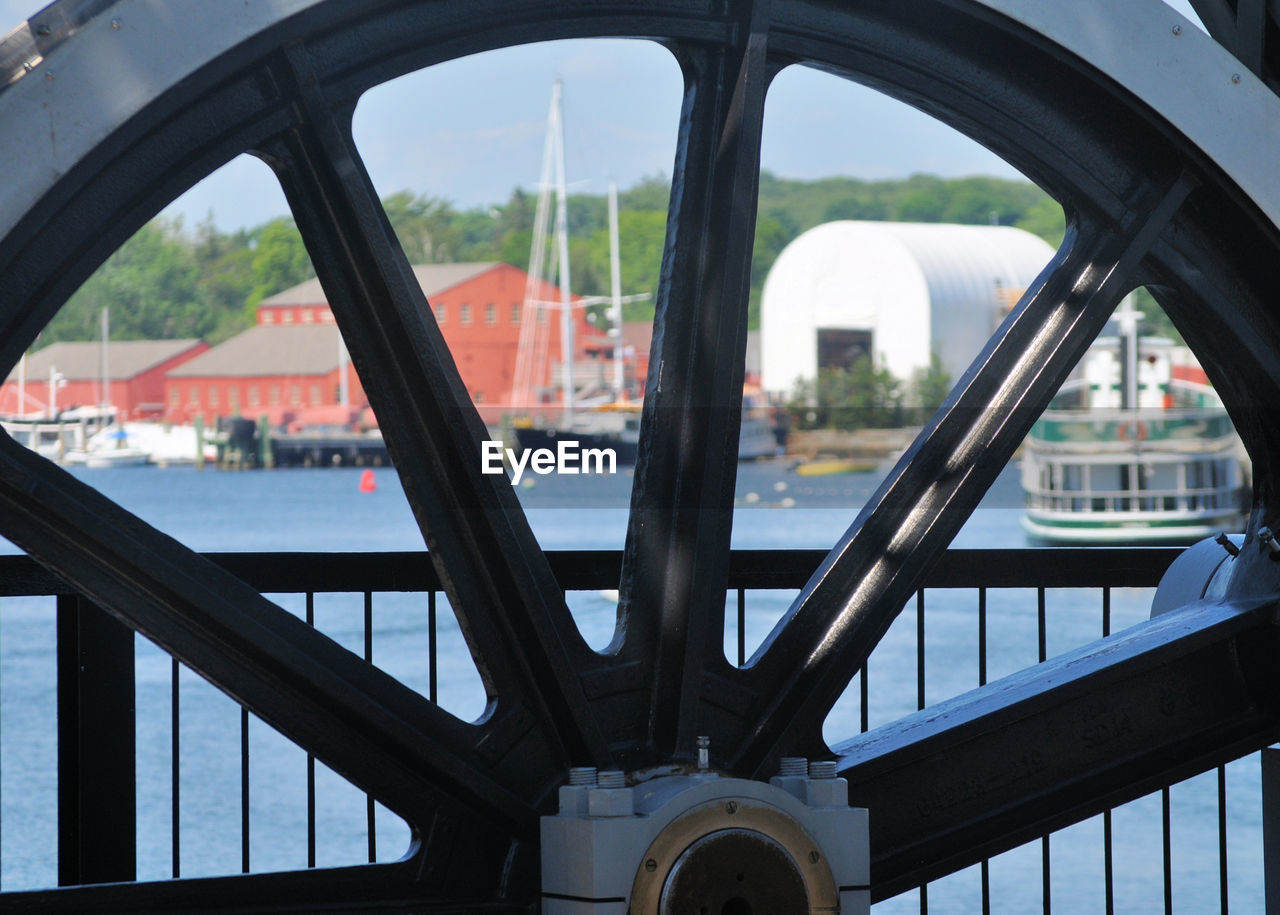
(1063, 740)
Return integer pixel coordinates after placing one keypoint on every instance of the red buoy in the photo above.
(367, 482)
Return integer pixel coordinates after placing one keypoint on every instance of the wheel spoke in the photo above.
(848, 604)
(379, 734)
(677, 550)
(496, 576)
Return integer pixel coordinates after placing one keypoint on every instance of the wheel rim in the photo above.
(1145, 205)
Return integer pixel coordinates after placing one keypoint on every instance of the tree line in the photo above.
(171, 281)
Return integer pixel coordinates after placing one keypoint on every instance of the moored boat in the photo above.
(1133, 451)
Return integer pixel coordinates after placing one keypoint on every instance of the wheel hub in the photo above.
(706, 845)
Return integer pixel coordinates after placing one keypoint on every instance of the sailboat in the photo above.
(609, 422)
(109, 446)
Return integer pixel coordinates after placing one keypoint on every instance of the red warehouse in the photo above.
(136, 372)
(287, 365)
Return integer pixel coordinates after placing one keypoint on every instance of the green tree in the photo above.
(930, 387)
(862, 396)
(279, 260)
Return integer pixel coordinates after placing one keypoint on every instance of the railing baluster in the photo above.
(1, 790)
(920, 649)
(311, 761)
(924, 890)
(1042, 653)
(431, 647)
(982, 636)
(985, 865)
(97, 779)
(244, 790)
(1108, 866)
(742, 626)
(1047, 904)
(862, 689)
(1222, 839)
(1167, 849)
(175, 771)
(370, 824)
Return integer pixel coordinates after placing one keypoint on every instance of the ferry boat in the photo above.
(1133, 451)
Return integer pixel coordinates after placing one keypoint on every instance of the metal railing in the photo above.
(96, 729)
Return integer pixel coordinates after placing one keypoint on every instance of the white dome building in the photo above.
(896, 290)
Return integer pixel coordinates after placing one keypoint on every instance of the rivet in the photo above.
(814, 857)
(731, 808)
(49, 77)
(651, 865)
(43, 31)
(1235, 77)
(115, 24)
(1177, 30)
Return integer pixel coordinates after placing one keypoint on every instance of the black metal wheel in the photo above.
(1152, 198)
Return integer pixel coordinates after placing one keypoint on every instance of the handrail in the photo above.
(289, 572)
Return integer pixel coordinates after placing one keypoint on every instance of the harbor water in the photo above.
(326, 510)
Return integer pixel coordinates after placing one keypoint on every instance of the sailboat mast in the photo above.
(562, 240)
(615, 276)
(105, 402)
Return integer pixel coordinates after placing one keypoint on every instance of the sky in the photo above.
(470, 131)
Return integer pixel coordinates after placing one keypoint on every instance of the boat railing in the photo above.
(981, 614)
(1204, 499)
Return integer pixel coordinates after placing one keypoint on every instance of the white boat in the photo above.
(1131, 453)
(57, 437)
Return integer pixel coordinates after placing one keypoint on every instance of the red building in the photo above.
(136, 372)
(287, 366)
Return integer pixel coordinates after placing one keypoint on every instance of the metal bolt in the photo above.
(1177, 30)
(612, 778)
(814, 857)
(582, 775)
(1225, 542)
(115, 24)
(793, 765)
(651, 865)
(823, 768)
(1268, 540)
(43, 30)
(731, 808)
(1235, 77)
(704, 753)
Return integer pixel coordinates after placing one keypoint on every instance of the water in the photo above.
(324, 510)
